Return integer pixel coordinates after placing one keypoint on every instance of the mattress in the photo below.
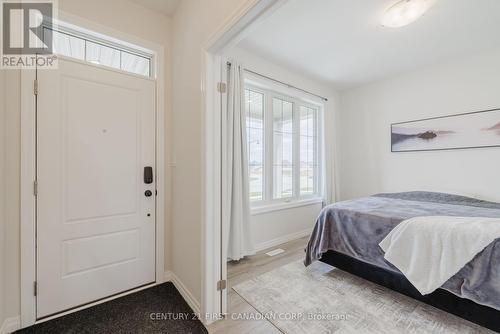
(356, 227)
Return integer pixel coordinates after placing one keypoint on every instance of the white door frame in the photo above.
(214, 302)
(28, 170)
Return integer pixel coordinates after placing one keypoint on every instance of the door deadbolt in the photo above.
(148, 175)
(148, 193)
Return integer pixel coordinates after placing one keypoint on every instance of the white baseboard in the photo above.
(185, 293)
(281, 240)
(10, 325)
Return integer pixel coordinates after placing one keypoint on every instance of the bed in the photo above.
(347, 235)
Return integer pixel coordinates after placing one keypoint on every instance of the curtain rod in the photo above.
(282, 83)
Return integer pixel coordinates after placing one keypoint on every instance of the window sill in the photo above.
(257, 210)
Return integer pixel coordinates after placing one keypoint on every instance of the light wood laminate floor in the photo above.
(248, 268)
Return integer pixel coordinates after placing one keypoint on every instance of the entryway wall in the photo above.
(10, 161)
(133, 20)
(271, 228)
(2, 192)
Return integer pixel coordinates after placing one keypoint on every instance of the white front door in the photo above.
(95, 221)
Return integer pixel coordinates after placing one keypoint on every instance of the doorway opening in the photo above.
(284, 201)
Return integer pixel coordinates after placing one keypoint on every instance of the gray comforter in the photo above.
(356, 227)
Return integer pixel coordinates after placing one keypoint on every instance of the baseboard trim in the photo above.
(10, 325)
(184, 291)
(281, 240)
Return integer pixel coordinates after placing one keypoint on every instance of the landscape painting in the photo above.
(471, 130)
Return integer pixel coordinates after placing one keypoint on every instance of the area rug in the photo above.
(323, 299)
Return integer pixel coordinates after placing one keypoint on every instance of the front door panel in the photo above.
(95, 226)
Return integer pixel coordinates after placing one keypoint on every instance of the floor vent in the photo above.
(275, 252)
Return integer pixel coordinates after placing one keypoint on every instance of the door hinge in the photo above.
(35, 87)
(35, 188)
(221, 285)
(35, 288)
(221, 87)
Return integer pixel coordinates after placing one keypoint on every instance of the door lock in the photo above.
(148, 175)
(148, 193)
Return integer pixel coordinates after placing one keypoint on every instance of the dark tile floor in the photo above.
(129, 314)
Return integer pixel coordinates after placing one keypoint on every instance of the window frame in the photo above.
(268, 203)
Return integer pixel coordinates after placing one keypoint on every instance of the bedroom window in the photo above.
(283, 143)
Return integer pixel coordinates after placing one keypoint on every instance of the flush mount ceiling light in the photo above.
(405, 12)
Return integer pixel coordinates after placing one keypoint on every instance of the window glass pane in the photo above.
(311, 122)
(282, 148)
(102, 55)
(135, 64)
(287, 117)
(255, 146)
(256, 164)
(307, 121)
(256, 179)
(287, 190)
(283, 116)
(254, 105)
(287, 150)
(311, 151)
(308, 151)
(283, 182)
(66, 45)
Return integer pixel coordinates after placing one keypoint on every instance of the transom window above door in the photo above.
(284, 148)
(76, 44)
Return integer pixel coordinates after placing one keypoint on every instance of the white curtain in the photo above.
(237, 214)
(329, 139)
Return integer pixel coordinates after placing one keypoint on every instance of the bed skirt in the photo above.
(441, 299)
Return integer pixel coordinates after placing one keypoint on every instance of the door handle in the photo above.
(148, 175)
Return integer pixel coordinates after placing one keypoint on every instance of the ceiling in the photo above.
(166, 7)
(341, 42)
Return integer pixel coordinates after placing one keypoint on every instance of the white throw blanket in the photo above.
(431, 250)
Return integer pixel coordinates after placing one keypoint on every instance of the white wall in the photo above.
(2, 193)
(271, 228)
(11, 193)
(193, 24)
(367, 165)
(119, 15)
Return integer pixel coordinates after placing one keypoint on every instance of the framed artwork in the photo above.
(468, 130)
